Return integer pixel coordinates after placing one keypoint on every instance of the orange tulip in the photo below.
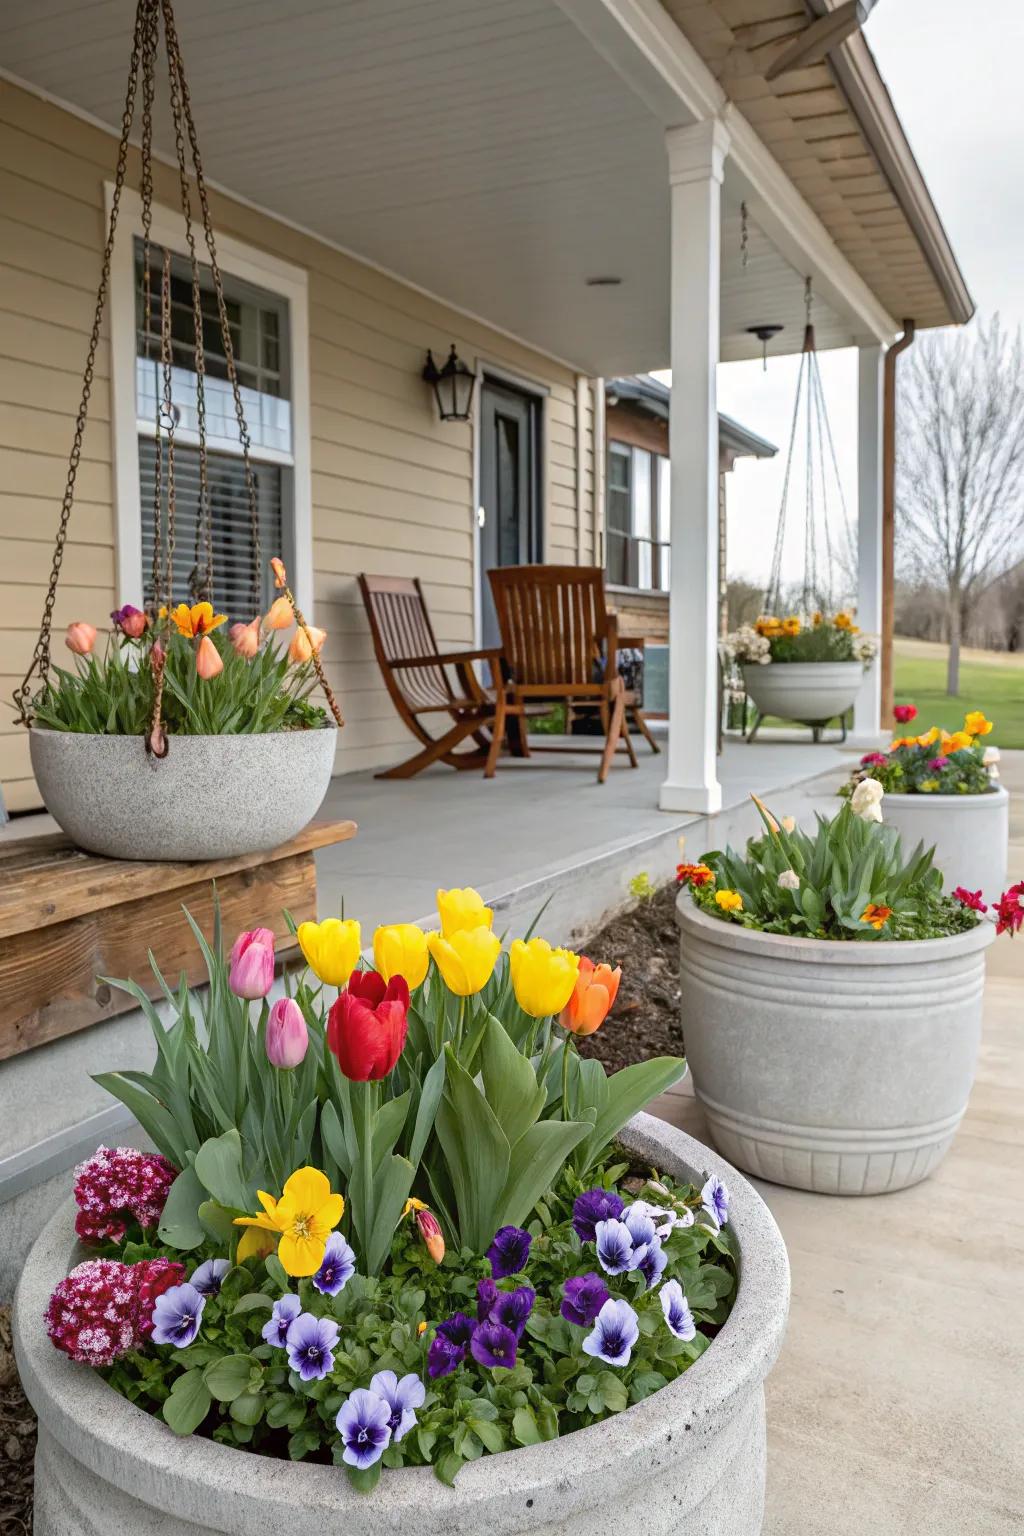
(246, 638)
(280, 574)
(299, 650)
(280, 615)
(80, 638)
(208, 662)
(593, 996)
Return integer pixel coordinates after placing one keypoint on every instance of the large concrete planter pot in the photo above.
(970, 834)
(843, 1068)
(211, 797)
(812, 692)
(689, 1461)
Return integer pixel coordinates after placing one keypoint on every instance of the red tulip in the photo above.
(366, 1027)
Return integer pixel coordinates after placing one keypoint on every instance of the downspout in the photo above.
(889, 519)
(597, 385)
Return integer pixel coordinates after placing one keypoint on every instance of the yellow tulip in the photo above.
(400, 949)
(306, 1214)
(255, 1243)
(543, 979)
(460, 909)
(466, 959)
(331, 948)
(197, 620)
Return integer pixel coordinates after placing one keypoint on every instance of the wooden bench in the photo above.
(68, 917)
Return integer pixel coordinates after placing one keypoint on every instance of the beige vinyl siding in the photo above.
(392, 487)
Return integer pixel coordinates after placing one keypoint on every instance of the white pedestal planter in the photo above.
(211, 797)
(842, 1068)
(970, 834)
(812, 692)
(688, 1461)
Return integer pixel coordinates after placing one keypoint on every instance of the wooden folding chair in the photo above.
(559, 645)
(419, 679)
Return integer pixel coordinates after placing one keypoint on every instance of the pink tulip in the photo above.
(80, 638)
(252, 964)
(208, 661)
(246, 638)
(300, 650)
(287, 1035)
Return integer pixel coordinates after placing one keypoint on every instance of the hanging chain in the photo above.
(744, 237)
(40, 664)
(168, 414)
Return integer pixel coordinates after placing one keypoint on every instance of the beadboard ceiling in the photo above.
(481, 149)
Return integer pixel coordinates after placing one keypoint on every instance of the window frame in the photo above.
(660, 549)
(249, 265)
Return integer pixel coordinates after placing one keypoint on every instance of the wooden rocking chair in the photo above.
(559, 645)
(418, 678)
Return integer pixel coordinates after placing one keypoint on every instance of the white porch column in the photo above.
(867, 711)
(696, 157)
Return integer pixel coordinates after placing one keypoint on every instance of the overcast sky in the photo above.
(954, 74)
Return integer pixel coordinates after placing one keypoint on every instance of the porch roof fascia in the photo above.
(643, 43)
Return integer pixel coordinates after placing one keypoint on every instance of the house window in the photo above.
(637, 523)
(258, 323)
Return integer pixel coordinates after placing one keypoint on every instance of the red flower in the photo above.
(153, 1277)
(1010, 910)
(970, 899)
(366, 1027)
(93, 1312)
(693, 874)
(905, 713)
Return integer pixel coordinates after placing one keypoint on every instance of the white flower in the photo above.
(789, 823)
(865, 801)
(990, 759)
(789, 880)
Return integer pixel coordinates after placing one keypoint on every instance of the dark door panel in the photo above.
(509, 486)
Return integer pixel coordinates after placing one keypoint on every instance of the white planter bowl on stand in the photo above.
(970, 834)
(211, 797)
(687, 1461)
(811, 692)
(839, 1067)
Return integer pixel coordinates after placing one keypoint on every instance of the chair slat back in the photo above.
(552, 620)
(401, 630)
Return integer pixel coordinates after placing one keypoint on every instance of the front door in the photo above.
(509, 487)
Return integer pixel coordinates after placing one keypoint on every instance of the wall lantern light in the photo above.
(452, 385)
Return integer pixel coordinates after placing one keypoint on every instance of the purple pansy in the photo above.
(403, 1397)
(936, 764)
(582, 1299)
(615, 1251)
(652, 1262)
(493, 1344)
(177, 1314)
(615, 1333)
(443, 1356)
(208, 1276)
(338, 1266)
(594, 1206)
(309, 1343)
(364, 1423)
(283, 1315)
(715, 1200)
(509, 1251)
(486, 1296)
(458, 1328)
(513, 1308)
(677, 1311)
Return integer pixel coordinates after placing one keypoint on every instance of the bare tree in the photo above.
(960, 466)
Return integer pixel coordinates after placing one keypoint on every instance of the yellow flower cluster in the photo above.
(975, 725)
(772, 627)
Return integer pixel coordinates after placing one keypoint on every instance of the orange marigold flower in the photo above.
(693, 874)
(875, 916)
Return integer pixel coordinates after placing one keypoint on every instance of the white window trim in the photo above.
(251, 265)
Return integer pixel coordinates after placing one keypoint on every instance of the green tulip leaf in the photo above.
(477, 1153)
(510, 1083)
(391, 1186)
(180, 1225)
(219, 1167)
(537, 1158)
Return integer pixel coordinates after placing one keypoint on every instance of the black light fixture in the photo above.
(764, 334)
(452, 385)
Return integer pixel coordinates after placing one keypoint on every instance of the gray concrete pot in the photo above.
(809, 691)
(689, 1461)
(843, 1068)
(970, 834)
(211, 797)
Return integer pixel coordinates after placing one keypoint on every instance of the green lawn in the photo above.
(991, 681)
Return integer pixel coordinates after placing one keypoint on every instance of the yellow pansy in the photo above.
(958, 741)
(466, 959)
(929, 785)
(791, 625)
(331, 948)
(305, 1216)
(543, 979)
(729, 901)
(197, 620)
(930, 737)
(400, 949)
(976, 724)
(460, 909)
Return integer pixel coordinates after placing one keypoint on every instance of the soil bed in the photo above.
(17, 1442)
(645, 1019)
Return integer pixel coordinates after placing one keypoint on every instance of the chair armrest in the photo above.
(449, 658)
(611, 646)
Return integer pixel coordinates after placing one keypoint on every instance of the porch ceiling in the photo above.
(481, 149)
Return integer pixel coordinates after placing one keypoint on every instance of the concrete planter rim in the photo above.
(799, 666)
(793, 947)
(128, 1447)
(42, 730)
(962, 802)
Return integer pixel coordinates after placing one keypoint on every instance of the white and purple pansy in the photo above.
(615, 1332)
(364, 1423)
(676, 1308)
(284, 1313)
(715, 1200)
(208, 1276)
(615, 1247)
(339, 1266)
(177, 1315)
(403, 1396)
(310, 1342)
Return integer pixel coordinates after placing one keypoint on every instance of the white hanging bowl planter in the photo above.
(970, 835)
(211, 797)
(839, 1067)
(811, 692)
(687, 1461)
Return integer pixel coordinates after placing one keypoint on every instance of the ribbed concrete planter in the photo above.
(812, 692)
(689, 1461)
(211, 797)
(842, 1068)
(970, 834)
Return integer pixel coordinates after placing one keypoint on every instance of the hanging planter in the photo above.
(180, 738)
(811, 692)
